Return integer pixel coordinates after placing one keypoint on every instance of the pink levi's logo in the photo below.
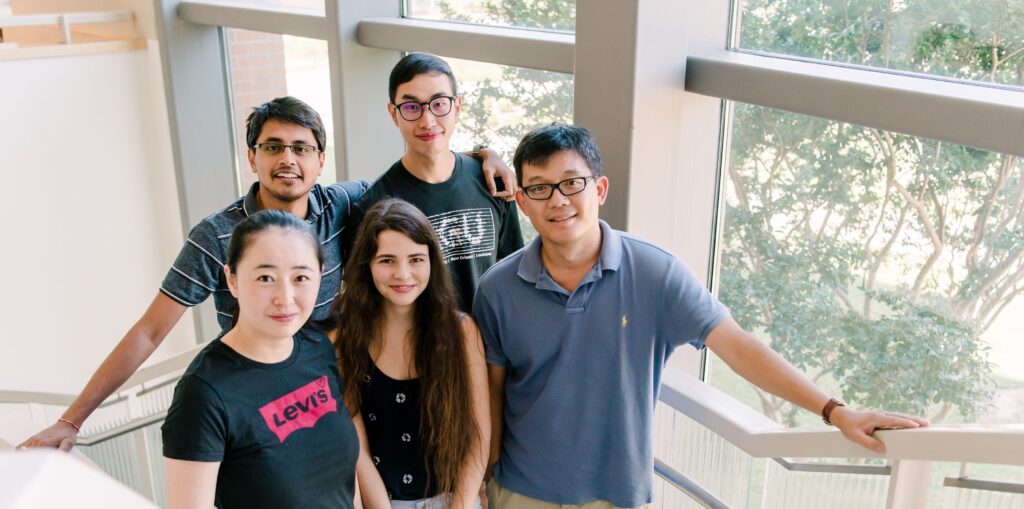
(301, 408)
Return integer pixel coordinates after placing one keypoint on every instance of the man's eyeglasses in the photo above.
(274, 148)
(413, 110)
(567, 187)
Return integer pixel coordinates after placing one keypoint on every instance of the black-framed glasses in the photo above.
(273, 148)
(413, 110)
(567, 187)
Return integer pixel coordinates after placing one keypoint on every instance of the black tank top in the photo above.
(391, 413)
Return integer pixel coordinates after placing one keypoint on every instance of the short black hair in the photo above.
(247, 229)
(413, 65)
(286, 109)
(543, 142)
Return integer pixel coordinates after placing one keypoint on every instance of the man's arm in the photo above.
(763, 367)
(493, 168)
(135, 347)
(496, 383)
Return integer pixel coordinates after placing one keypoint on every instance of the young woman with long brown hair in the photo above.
(417, 366)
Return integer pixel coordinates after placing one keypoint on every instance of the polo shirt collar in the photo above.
(250, 205)
(531, 266)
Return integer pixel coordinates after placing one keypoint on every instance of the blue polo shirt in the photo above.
(583, 368)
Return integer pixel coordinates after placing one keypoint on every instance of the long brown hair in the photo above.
(448, 427)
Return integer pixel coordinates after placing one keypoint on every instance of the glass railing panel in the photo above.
(691, 449)
(785, 489)
(122, 457)
(985, 486)
(960, 498)
(118, 457)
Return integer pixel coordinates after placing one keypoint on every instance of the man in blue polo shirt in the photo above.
(577, 327)
(286, 140)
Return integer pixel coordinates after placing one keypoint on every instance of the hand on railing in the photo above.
(60, 435)
(859, 425)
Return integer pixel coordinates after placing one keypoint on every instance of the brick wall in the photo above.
(257, 75)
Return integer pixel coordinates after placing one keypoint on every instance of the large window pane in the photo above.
(889, 267)
(501, 103)
(981, 40)
(265, 66)
(546, 14)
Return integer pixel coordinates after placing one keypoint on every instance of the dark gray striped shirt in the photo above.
(199, 269)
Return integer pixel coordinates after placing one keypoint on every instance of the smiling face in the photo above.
(400, 269)
(430, 135)
(276, 283)
(563, 220)
(285, 177)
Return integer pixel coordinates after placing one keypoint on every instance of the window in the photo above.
(546, 14)
(884, 265)
(981, 40)
(265, 66)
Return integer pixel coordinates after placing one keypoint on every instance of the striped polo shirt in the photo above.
(198, 271)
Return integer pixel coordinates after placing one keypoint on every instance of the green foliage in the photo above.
(869, 258)
(549, 14)
(911, 359)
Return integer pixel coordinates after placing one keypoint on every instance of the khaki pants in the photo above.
(501, 498)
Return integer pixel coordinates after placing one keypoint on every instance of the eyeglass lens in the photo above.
(412, 110)
(567, 187)
(277, 148)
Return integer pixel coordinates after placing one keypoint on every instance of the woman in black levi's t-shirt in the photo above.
(419, 379)
(257, 420)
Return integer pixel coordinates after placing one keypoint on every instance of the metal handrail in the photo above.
(692, 488)
(121, 430)
(833, 468)
(983, 485)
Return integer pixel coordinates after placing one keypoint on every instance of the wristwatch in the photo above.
(827, 411)
(476, 150)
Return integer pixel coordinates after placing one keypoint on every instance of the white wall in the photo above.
(90, 213)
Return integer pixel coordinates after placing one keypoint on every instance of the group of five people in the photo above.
(400, 334)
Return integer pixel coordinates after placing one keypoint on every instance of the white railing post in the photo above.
(147, 485)
(65, 28)
(908, 486)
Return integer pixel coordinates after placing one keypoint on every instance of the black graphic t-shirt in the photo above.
(391, 413)
(475, 229)
(280, 430)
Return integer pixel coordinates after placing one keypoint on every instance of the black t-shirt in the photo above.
(280, 430)
(475, 229)
(391, 413)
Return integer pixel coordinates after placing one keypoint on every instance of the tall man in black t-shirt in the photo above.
(475, 229)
